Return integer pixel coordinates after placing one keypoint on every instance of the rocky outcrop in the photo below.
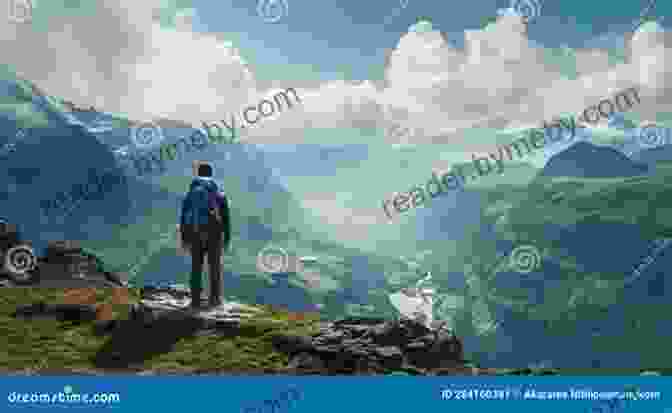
(65, 265)
(158, 303)
(370, 345)
(62, 312)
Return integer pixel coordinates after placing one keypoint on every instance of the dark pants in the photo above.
(202, 241)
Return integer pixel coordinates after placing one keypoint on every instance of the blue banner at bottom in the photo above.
(304, 394)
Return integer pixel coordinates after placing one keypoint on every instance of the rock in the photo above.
(306, 360)
(9, 235)
(63, 312)
(447, 348)
(292, 344)
(61, 248)
(102, 327)
(328, 348)
(346, 347)
(141, 314)
(389, 352)
(119, 279)
(398, 333)
(416, 346)
(392, 357)
(358, 321)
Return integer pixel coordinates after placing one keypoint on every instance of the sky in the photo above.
(199, 60)
(441, 69)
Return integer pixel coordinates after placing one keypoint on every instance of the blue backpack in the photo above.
(196, 205)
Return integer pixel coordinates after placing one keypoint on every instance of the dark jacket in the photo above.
(214, 208)
(195, 207)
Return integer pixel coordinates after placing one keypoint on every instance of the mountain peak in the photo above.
(585, 160)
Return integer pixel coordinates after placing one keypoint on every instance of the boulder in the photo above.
(366, 345)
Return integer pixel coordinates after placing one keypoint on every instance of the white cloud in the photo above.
(123, 61)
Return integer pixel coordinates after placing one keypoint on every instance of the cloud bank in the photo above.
(121, 60)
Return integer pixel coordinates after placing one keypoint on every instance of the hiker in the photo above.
(205, 229)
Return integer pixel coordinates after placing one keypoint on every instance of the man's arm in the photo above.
(226, 221)
(186, 204)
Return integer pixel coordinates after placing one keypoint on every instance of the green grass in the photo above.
(44, 345)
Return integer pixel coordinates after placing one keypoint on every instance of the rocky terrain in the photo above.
(353, 346)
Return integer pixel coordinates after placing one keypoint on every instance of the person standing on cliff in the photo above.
(205, 229)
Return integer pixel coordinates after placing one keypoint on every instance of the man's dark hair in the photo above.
(205, 170)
